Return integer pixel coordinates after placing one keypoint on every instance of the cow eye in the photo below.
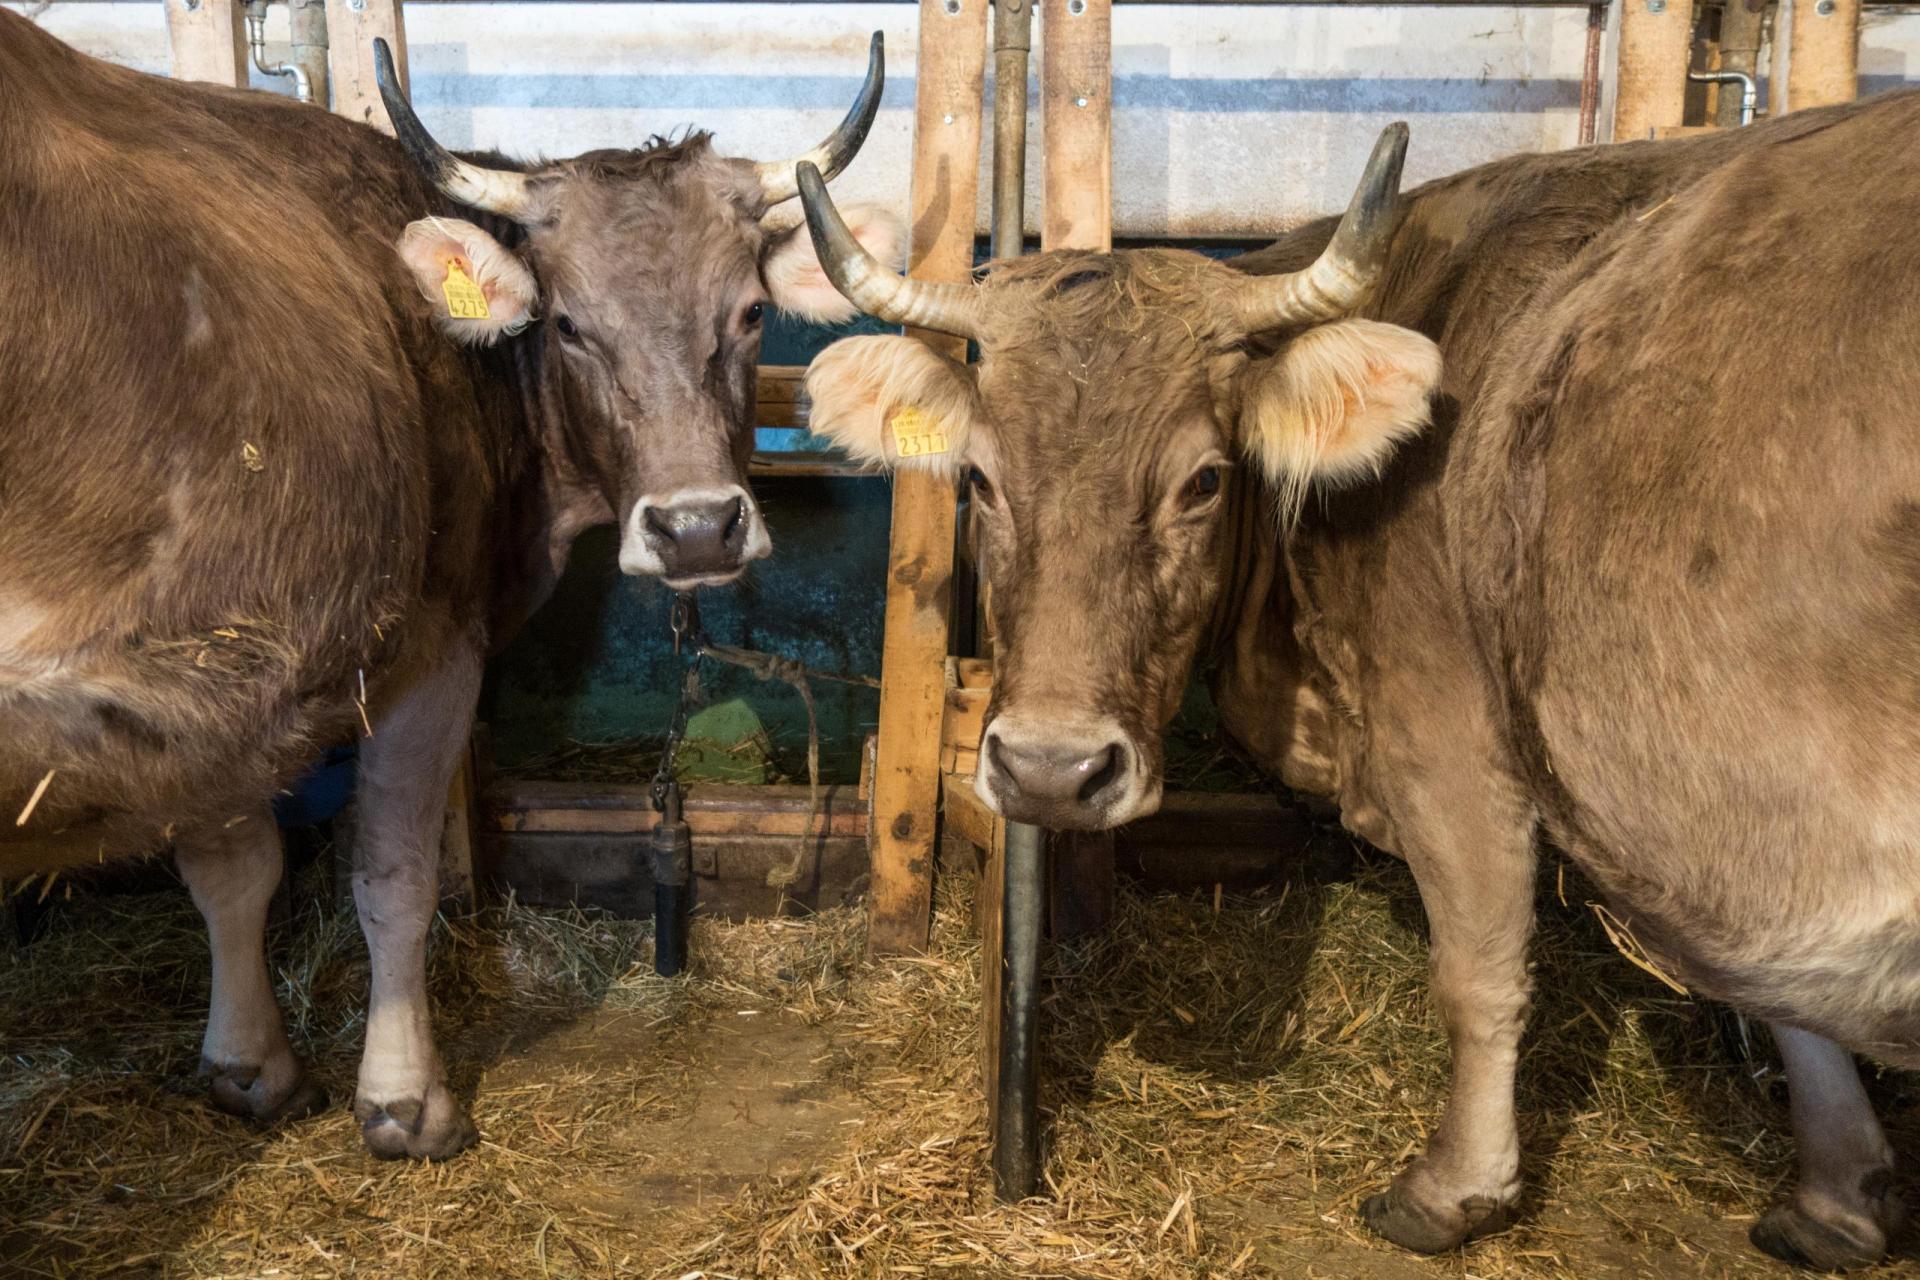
(566, 326)
(977, 481)
(1204, 485)
(753, 314)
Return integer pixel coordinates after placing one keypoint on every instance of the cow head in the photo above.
(648, 274)
(1113, 394)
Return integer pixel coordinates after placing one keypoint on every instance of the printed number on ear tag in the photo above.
(465, 299)
(916, 434)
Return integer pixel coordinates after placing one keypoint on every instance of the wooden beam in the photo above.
(208, 39)
(946, 172)
(711, 808)
(456, 836)
(1816, 46)
(1656, 40)
(1076, 105)
(352, 26)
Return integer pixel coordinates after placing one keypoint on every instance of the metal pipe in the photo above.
(1740, 39)
(307, 20)
(1023, 907)
(1012, 41)
(257, 42)
(672, 847)
(1749, 91)
(1590, 75)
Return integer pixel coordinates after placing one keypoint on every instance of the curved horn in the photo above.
(1339, 279)
(872, 286)
(495, 190)
(778, 178)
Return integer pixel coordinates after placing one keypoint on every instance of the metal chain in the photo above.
(688, 641)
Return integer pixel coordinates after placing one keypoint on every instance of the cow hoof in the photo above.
(407, 1128)
(1839, 1242)
(267, 1098)
(1399, 1217)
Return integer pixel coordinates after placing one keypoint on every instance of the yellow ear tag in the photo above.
(917, 434)
(465, 299)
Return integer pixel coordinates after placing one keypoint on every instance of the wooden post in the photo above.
(1076, 96)
(1816, 54)
(457, 880)
(208, 39)
(352, 26)
(1656, 39)
(906, 784)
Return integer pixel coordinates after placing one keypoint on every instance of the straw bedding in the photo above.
(1225, 1079)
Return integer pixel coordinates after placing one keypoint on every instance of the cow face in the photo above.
(1113, 395)
(647, 275)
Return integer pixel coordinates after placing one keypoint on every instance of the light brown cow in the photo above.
(253, 501)
(1647, 581)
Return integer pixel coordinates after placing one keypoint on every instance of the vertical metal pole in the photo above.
(1012, 41)
(1016, 1136)
(1590, 76)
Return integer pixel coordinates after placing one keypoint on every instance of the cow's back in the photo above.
(215, 486)
(1687, 518)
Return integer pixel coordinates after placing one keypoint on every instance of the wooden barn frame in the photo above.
(932, 704)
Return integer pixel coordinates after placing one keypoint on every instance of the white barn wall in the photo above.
(1229, 120)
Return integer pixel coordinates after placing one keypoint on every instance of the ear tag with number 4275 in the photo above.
(917, 434)
(465, 299)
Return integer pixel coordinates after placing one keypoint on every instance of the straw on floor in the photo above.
(1225, 1080)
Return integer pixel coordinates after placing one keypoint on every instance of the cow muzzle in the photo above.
(694, 537)
(1070, 776)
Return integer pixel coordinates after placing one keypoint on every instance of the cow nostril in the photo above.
(657, 526)
(1104, 767)
(736, 524)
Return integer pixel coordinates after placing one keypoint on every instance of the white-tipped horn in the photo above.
(777, 177)
(1339, 280)
(500, 191)
(870, 284)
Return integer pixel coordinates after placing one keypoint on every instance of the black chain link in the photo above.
(690, 642)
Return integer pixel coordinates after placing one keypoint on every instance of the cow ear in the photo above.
(796, 280)
(1336, 401)
(479, 290)
(893, 402)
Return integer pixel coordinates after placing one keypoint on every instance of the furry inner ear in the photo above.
(479, 290)
(799, 284)
(1333, 405)
(893, 402)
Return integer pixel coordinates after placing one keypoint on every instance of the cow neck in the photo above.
(539, 413)
(1248, 522)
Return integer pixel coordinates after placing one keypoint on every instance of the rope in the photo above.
(791, 671)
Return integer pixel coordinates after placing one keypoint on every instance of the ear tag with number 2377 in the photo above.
(465, 299)
(917, 434)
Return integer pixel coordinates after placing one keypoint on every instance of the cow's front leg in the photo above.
(1843, 1210)
(251, 1070)
(403, 1103)
(1474, 863)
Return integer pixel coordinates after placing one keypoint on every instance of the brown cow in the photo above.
(1647, 581)
(252, 501)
